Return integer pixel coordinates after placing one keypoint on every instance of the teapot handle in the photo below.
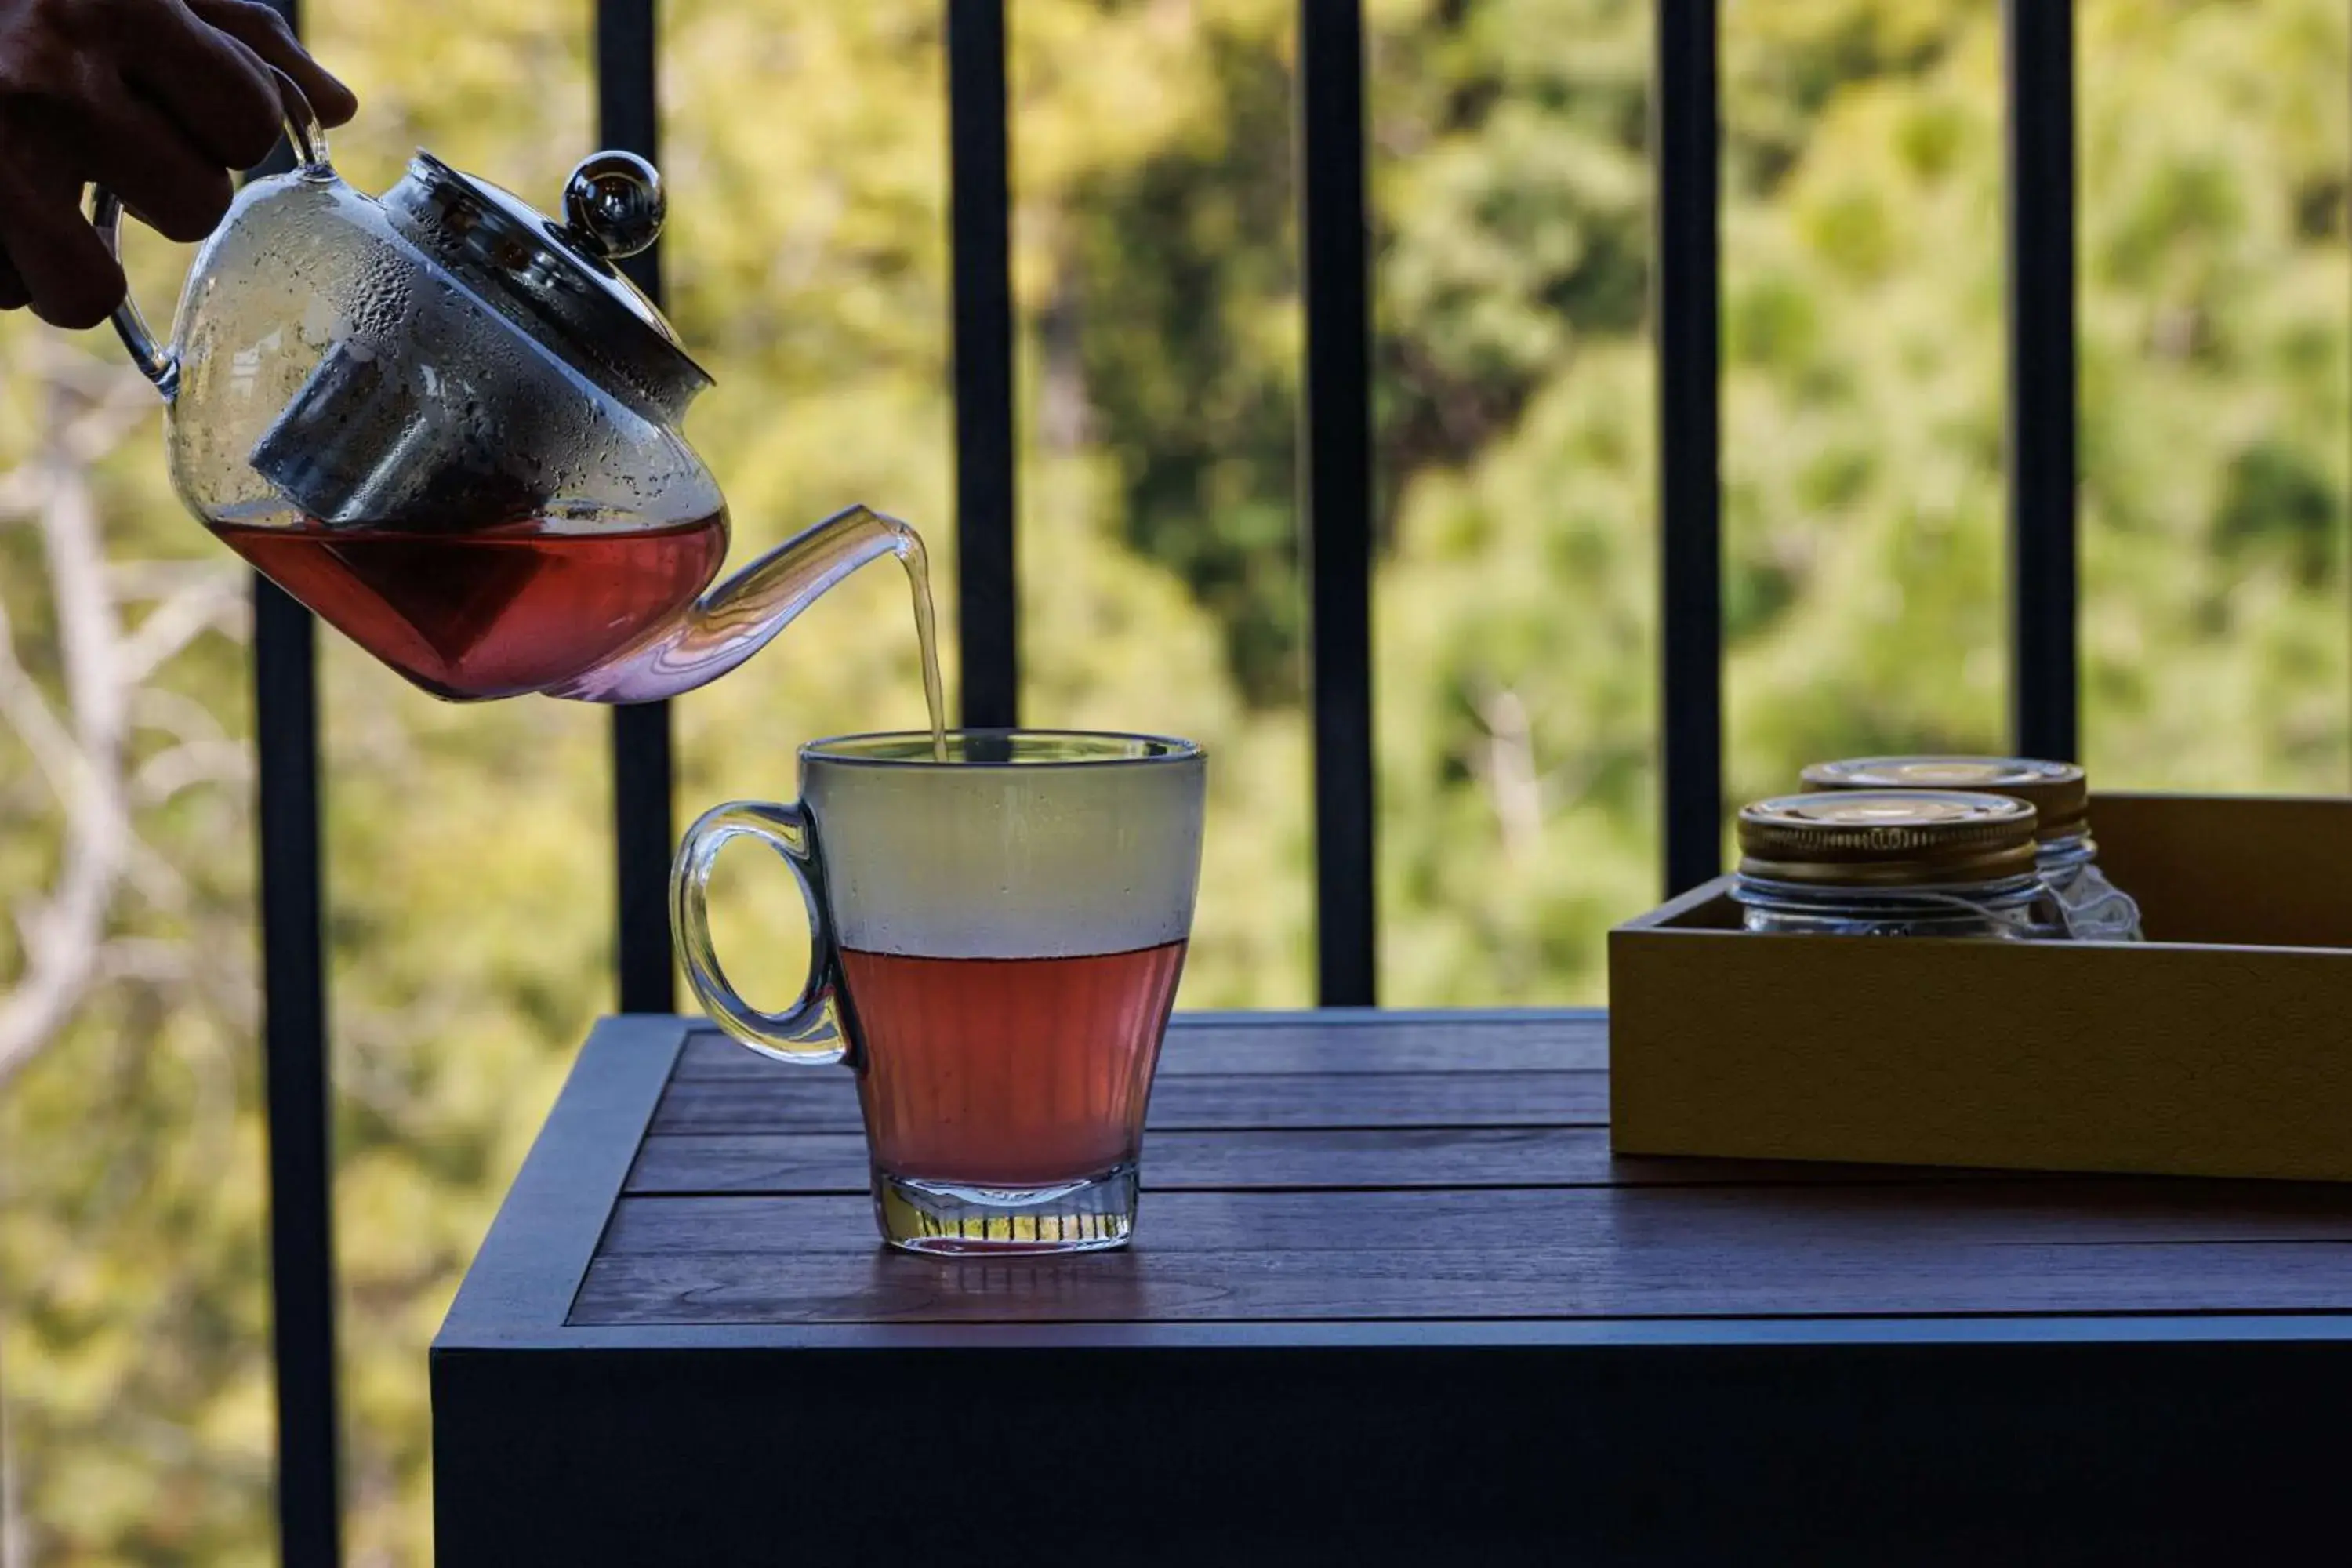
(158, 363)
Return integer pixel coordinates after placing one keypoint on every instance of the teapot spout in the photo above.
(736, 618)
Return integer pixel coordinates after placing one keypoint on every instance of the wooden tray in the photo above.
(2222, 1046)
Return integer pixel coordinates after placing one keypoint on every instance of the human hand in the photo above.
(155, 99)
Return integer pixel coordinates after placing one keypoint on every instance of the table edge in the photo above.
(2246, 1330)
(530, 1265)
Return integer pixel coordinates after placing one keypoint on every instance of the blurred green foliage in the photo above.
(1157, 275)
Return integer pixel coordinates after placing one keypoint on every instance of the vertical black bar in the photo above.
(1337, 491)
(294, 1034)
(628, 118)
(294, 1061)
(980, 176)
(1685, 153)
(2045, 679)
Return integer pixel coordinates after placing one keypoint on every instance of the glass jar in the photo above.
(1892, 863)
(2093, 907)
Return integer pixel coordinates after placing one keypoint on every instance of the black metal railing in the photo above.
(294, 1058)
(979, 177)
(1684, 158)
(1336, 492)
(2044, 683)
(628, 116)
(1337, 531)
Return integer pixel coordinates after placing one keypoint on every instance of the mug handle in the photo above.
(809, 1029)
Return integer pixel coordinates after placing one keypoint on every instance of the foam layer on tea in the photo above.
(1006, 859)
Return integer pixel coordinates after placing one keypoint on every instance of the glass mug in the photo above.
(995, 940)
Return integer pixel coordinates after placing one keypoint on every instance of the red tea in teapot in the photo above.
(492, 611)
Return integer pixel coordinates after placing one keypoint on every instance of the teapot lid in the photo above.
(558, 280)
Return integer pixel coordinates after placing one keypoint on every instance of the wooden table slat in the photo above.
(1543, 1281)
(1241, 1044)
(811, 1103)
(1737, 1226)
(1298, 1157)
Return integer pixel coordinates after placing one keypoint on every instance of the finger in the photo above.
(224, 99)
(14, 295)
(134, 151)
(264, 31)
(67, 275)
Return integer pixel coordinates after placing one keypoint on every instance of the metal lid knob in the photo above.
(613, 203)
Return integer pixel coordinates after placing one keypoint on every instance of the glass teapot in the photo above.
(449, 426)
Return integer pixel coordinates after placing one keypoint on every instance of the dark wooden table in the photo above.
(1392, 1300)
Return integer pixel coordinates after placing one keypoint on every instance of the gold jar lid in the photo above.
(1887, 838)
(2056, 790)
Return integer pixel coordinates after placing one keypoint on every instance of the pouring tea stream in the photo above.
(449, 426)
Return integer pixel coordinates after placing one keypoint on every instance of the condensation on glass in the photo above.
(2093, 907)
(1893, 863)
